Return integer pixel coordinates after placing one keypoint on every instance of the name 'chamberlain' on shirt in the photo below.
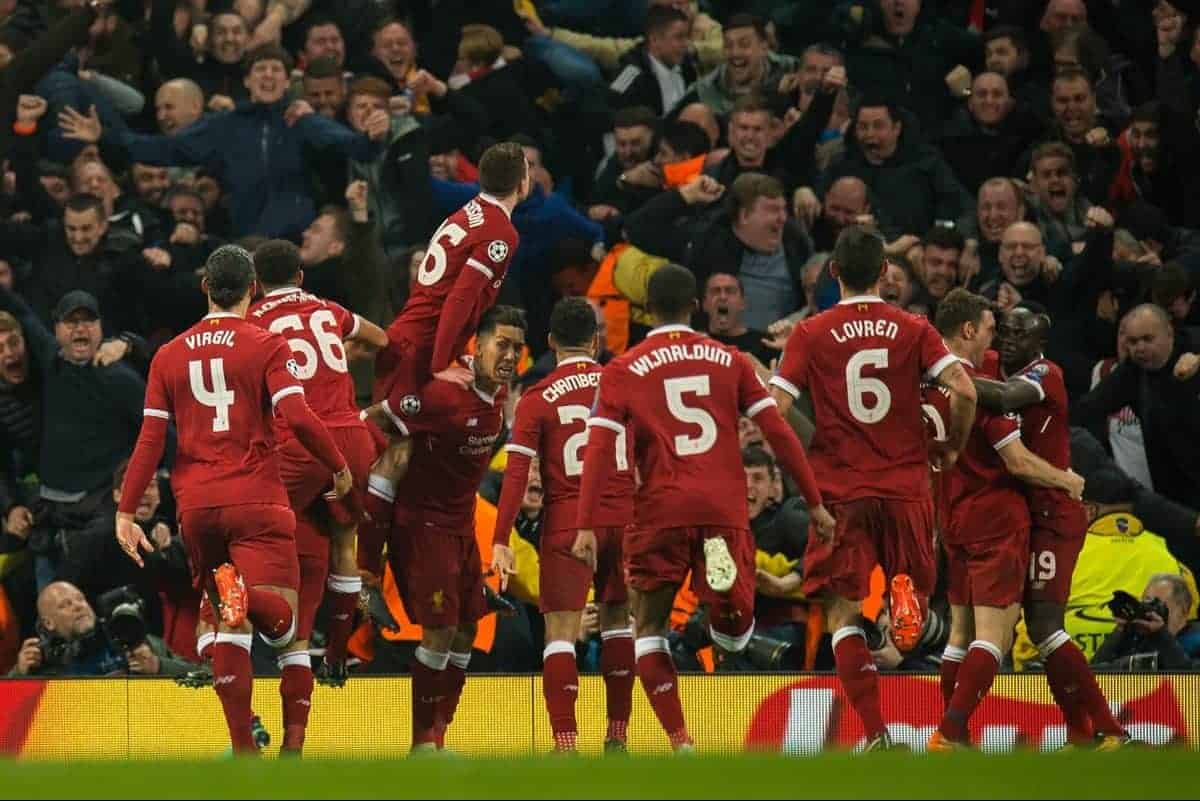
(680, 353)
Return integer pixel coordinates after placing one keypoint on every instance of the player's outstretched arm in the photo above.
(516, 477)
(1006, 396)
(370, 334)
(146, 455)
(313, 435)
(1032, 469)
(963, 399)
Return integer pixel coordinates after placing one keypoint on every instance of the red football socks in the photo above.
(1075, 690)
(269, 612)
(661, 683)
(233, 679)
(617, 665)
(859, 677)
(343, 600)
(560, 686)
(295, 689)
(427, 668)
(952, 658)
(975, 678)
(454, 678)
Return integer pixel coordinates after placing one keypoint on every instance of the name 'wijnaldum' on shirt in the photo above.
(672, 354)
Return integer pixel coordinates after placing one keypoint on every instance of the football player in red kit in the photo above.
(863, 363)
(432, 549)
(677, 397)
(222, 381)
(551, 426)
(1035, 388)
(316, 329)
(457, 282)
(986, 535)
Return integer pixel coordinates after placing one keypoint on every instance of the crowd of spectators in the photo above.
(1040, 152)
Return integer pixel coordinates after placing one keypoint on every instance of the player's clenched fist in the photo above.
(823, 523)
(584, 548)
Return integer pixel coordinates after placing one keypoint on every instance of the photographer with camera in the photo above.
(1148, 632)
(70, 643)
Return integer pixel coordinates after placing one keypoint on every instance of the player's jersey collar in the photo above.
(860, 299)
(220, 315)
(675, 328)
(283, 290)
(1040, 356)
(484, 196)
(576, 360)
(490, 400)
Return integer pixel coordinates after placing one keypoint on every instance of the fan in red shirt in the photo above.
(1035, 387)
(457, 282)
(221, 381)
(863, 363)
(432, 549)
(987, 535)
(325, 537)
(551, 426)
(677, 397)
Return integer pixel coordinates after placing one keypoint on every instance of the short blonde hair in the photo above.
(480, 44)
(9, 323)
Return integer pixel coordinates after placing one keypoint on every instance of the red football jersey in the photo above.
(480, 238)
(1046, 427)
(984, 499)
(551, 422)
(219, 380)
(453, 431)
(863, 362)
(315, 329)
(678, 395)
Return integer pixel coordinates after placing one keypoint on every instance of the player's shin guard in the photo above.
(560, 686)
(454, 678)
(295, 688)
(952, 659)
(1074, 688)
(428, 669)
(233, 679)
(617, 667)
(859, 677)
(975, 678)
(272, 616)
(343, 599)
(661, 683)
(372, 533)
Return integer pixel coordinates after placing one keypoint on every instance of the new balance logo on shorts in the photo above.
(663, 688)
(617, 674)
(219, 680)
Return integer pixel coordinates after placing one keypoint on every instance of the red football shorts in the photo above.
(564, 581)
(987, 573)
(258, 538)
(1052, 558)
(439, 575)
(312, 552)
(403, 367)
(306, 479)
(895, 534)
(656, 558)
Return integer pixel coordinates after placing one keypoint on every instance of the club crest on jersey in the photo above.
(294, 368)
(498, 250)
(410, 405)
(438, 600)
(1037, 372)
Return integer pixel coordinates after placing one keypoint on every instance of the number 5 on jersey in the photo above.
(219, 398)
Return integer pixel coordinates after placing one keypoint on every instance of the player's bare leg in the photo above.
(560, 675)
(343, 587)
(1072, 683)
(856, 668)
(652, 614)
(962, 632)
(993, 637)
(428, 683)
(617, 665)
(454, 678)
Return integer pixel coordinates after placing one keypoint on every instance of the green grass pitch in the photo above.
(1124, 775)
